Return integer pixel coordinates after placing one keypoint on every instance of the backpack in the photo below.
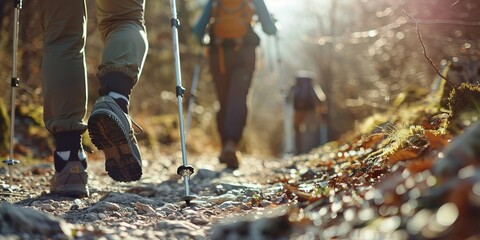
(232, 18)
(304, 95)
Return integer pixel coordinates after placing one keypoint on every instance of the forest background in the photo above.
(364, 54)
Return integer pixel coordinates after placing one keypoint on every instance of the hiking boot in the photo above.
(229, 155)
(71, 181)
(110, 130)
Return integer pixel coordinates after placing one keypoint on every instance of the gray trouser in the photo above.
(232, 86)
(64, 77)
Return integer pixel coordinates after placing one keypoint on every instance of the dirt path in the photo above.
(148, 209)
(412, 182)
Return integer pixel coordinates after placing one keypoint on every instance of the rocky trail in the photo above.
(410, 173)
(147, 209)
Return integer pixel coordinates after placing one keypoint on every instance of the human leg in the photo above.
(63, 66)
(64, 91)
(232, 91)
(121, 24)
(221, 82)
(236, 103)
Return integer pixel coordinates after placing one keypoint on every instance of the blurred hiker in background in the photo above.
(226, 26)
(64, 80)
(309, 113)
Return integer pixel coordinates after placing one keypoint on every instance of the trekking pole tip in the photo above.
(10, 163)
(189, 198)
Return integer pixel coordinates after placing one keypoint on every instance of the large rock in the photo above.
(16, 220)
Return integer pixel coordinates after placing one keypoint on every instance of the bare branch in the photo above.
(455, 3)
(420, 38)
(446, 21)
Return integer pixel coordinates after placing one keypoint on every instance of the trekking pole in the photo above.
(193, 93)
(287, 109)
(14, 83)
(184, 170)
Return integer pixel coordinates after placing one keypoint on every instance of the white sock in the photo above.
(65, 155)
(81, 155)
(117, 96)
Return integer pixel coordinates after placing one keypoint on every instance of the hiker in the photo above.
(231, 49)
(309, 110)
(64, 81)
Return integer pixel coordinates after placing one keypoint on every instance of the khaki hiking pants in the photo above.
(232, 86)
(64, 77)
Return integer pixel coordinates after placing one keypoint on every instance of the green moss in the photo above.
(402, 138)
(464, 104)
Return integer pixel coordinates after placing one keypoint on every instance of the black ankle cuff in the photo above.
(59, 164)
(68, 140)
(116, 82)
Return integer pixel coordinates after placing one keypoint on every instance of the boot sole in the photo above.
(72, 190)
(107, 135)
